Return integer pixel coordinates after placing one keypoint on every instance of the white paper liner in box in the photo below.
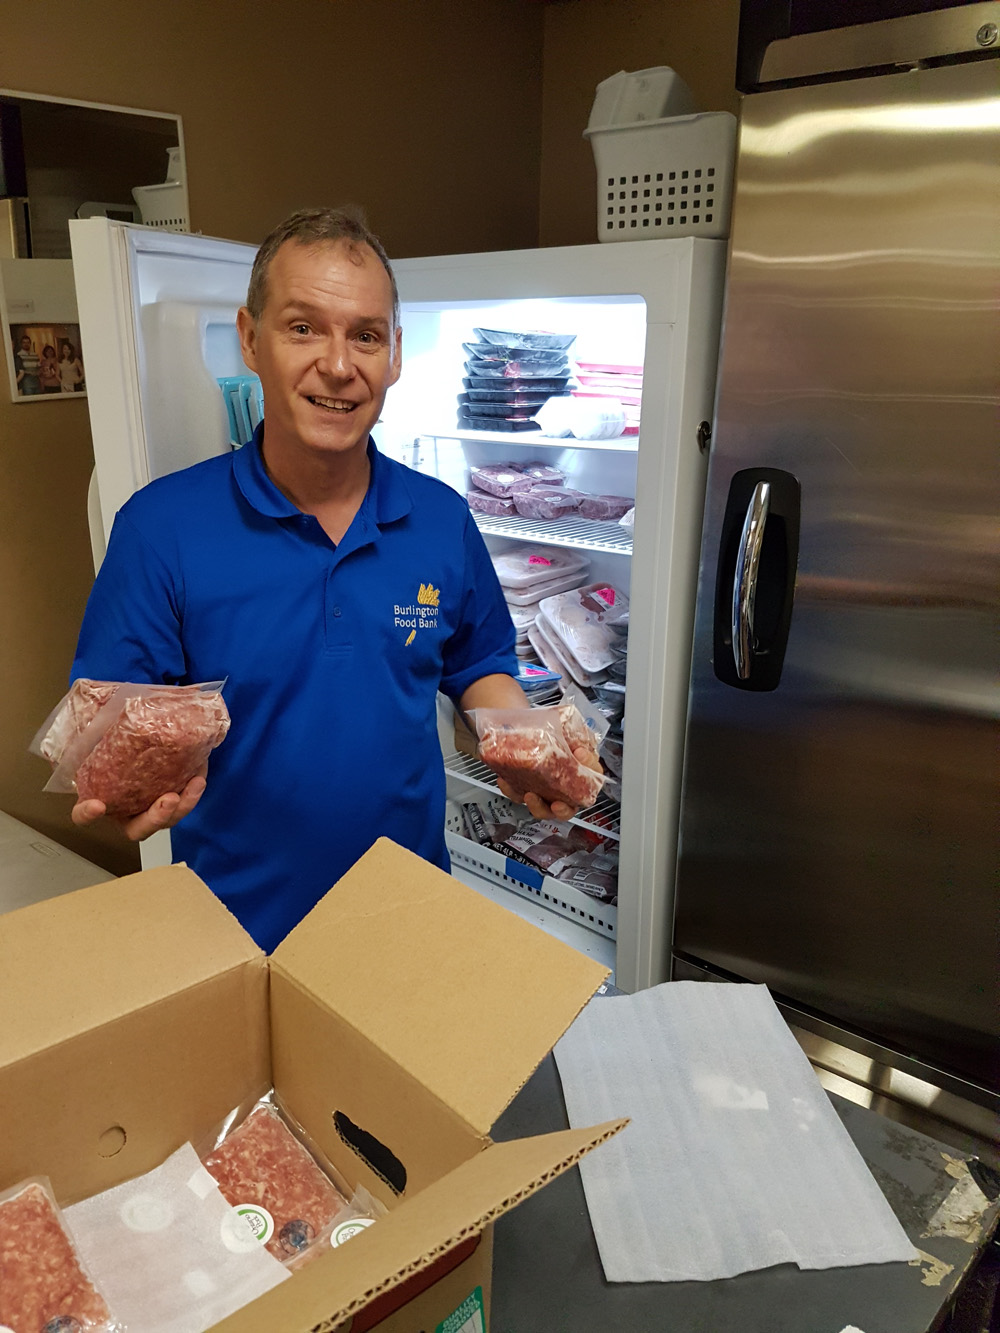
(169, 1252)
(735, 1159)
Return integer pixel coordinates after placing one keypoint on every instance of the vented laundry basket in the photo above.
(163, 206)
(670, 177)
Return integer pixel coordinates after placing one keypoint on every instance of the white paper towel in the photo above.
(734, 1160)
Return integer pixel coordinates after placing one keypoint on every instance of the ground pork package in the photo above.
(127, 744)
(585, 620)
(44, 1287)
(530, 748)
(527, 567)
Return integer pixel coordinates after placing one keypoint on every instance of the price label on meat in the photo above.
(345, 1230)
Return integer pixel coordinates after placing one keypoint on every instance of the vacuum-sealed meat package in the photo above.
(533, 340)
(527, 566)
(501, 479)
(526, 367)
(144, 741)
(528, 748)
(496, 506)
(43, 1285)
(550, 384)
(585, 620)
(551, 649)
(605, 508)
(547, 502)
(261, 1163)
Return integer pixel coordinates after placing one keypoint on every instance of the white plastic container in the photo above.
(163, 206)
(662, 178)
(644, 94)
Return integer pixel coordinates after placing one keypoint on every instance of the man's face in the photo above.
(324, 349)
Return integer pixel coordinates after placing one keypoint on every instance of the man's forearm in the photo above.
(496, 691)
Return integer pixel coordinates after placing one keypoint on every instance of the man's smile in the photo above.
(332, 404)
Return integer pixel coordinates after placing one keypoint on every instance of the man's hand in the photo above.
(558, 810)
(165, 812)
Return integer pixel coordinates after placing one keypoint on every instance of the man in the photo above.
(332, 588)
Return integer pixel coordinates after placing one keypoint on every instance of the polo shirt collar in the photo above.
(388, 497)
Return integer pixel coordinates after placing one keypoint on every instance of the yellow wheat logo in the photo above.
(428, 595)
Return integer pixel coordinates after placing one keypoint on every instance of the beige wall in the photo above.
(456, 123)
(428, 112)
(588, 40)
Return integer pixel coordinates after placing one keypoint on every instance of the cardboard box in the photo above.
(135, 1015)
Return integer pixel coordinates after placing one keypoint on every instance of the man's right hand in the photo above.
(165, 812)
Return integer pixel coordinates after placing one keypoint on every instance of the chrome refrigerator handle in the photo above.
(745, 577)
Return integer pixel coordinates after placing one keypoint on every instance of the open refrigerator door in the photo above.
(561, 392)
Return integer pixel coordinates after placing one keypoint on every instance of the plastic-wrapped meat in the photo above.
(543, 474)
(156, 744)
(528, 566)
(528, 749)
(607, 508)
(501, 479)
(43, 1288)
(547, 502)
(73, 715)
(525, 369)
(585, 621)
(262, 1162)
(497, 506)
(553, 384)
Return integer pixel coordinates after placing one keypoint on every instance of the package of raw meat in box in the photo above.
(132, 744)
(44, 1287)
(260, 1160)
(526, 566)
(547, 502)
(552, 650)
(585, 620)
(528, 749)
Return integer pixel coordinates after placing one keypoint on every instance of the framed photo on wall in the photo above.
(41, 334)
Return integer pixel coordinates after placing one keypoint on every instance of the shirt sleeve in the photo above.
(132, 625)
(483, 643)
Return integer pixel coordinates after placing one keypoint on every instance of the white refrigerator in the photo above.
(157, 314)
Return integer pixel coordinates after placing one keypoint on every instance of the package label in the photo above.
(470, 1316)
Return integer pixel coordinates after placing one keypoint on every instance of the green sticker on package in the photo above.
(468, 1318)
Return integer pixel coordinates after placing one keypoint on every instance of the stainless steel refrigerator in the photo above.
(838, 835)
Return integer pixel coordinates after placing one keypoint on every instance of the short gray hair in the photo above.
(316, 226)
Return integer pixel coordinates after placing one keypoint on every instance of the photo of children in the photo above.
(47, 359)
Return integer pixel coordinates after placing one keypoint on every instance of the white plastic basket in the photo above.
(671, 177)
(163, 206)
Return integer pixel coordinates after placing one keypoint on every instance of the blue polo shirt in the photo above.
(332, 656)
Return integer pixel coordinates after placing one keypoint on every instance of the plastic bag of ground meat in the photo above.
(264, 1168)
(145, 740)
(501, 479)
(44, 1287)
(528, 748)
(71, 717)
(605, 508)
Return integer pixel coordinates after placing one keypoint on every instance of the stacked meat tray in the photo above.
(537, 491)
(509, 376)
(578, 628)
(609, 381)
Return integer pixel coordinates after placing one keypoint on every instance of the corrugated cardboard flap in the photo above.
(83, 959)
(417, 1233)
(464, 995)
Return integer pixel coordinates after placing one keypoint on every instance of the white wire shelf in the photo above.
(582, 533)
(625, 444)
(603, 818)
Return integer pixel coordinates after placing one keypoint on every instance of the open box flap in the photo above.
(461, 993)
(76, 962)
(417, 1233)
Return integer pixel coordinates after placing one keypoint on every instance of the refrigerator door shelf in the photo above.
(603, 817)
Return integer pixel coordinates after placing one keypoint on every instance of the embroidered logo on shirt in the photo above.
(422, 614)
